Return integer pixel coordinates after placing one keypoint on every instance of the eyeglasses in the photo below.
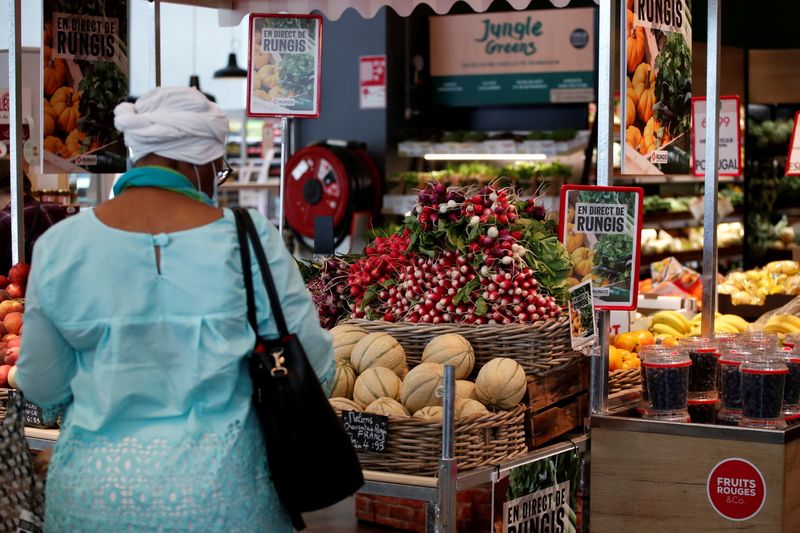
(225, 173)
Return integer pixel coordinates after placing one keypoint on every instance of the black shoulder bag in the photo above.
(311, 458)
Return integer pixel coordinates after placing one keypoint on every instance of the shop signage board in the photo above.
(540, 496)
(285, 64)
(372, 82)
(793, 162)
(85, 75)
(601, 228)
(520, 57)
(657, 60)
(583, 329)
(730, 137)
(736, 489)
(367, 431)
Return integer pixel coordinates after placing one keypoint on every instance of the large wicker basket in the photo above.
(539, 348)
(414, 445)
(620, 380)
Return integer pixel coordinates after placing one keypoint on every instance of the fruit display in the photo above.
(782, 324)
(12, 307)
(672, 325)
(703, 371)
(379, 388)
(753, 286)
(625, 348)
(465, 255)
(691, 239)
(668, 381)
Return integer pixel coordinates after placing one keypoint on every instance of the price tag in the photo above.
(729, 136)
(32, 413)
(367, 431)
(793, 162)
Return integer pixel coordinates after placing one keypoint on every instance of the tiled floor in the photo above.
(340, 518)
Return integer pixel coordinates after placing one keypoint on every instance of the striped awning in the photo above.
(232, 11)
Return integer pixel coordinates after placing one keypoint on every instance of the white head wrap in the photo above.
(175, 122)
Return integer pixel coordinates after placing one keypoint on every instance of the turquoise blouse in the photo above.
(149, 368)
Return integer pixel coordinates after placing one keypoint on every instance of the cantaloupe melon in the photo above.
(345, 337)
(451, 349)
(420, 386)
(465, 409)
(466, 390)
(386, 407)
(374, 383)
(343, 404)
(344, 380)
(501, 383)
(378, 349)
(432, 412)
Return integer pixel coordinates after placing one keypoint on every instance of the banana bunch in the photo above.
(670, 323)
(783, 324)
(722, 324)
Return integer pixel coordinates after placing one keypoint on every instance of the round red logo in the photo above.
(736, 489)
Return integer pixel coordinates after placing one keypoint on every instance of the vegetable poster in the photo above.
(601, 229)
(283, 75)
(540, 496)
(85, 75)
(657, 107)
(582, 327)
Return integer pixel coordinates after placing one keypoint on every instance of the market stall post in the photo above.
(712, 171)
(15, 130)
(154, 18)
(605, 171)
(284, 159)
(448, 467)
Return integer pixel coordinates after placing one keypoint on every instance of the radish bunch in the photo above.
(329, 291)
(436, 203)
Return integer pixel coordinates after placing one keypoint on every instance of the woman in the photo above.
(136, 326)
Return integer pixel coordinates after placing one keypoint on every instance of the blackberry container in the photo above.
(703, 411)
(667, 375)
(730, 413)
(760, 341)
(652, 349)
(703, 372)
(791, 390)
(763, 382)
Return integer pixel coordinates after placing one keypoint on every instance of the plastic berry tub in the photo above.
(703, 372)
(731, 390)
(760, 341)
(652, 349)
(667, 381)
(763, 382)
(703, 411)
(791, 390)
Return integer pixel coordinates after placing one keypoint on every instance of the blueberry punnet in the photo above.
(668, 380)
(762, 388)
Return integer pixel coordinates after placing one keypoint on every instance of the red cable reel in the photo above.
(325, 180)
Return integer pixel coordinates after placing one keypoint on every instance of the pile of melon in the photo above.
(372, 376)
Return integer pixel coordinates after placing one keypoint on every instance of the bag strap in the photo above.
(247, 270)
(266, 273)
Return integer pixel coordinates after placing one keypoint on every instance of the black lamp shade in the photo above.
(194, 81)
(232, 70)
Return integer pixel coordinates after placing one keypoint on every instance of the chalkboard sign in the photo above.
(367, 431)
(31, 412)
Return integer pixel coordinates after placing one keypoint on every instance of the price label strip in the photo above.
(367, 431)
(729, 141)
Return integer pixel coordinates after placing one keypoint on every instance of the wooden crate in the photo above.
(651, 481)
(557, 403)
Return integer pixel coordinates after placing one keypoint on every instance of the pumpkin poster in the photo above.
(601, 228)
(283, 75)
(657, 107)
(85, 75)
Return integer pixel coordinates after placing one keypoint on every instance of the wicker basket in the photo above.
(620, 380)
(539, 348)
(414, 445)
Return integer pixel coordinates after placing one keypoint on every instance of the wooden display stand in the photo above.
(653, 476)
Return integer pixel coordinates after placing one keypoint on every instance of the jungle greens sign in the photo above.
(519, 57)
(542, 496)
(601, 229)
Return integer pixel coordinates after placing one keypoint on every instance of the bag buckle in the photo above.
(278, 369)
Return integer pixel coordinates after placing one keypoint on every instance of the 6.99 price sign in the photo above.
(729, 141)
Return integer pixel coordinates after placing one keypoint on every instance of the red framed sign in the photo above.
(730, 136)
(793, 161)
(284, 65)
(601, 228)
